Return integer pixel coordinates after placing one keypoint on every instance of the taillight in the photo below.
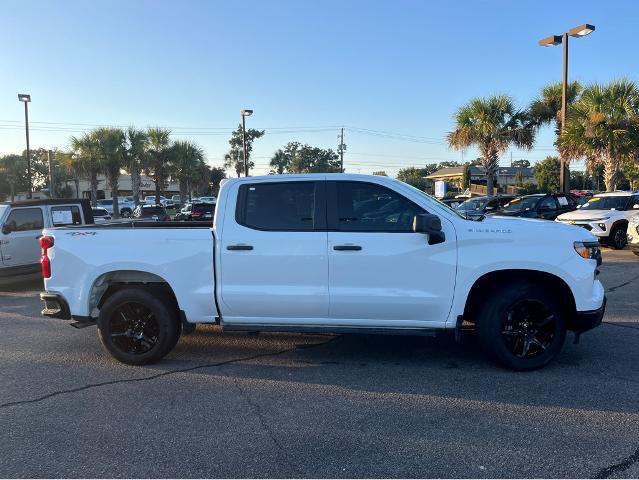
(46, 243)
(195, 214)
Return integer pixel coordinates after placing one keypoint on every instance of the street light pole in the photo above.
(23, 97)
(245, 113)
(553, 40)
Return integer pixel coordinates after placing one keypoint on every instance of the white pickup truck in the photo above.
(327, 253)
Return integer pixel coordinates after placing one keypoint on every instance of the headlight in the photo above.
(588, 250)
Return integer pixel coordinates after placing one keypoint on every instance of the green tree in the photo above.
(491, 124)
(110, 144)
(521, 163)
(546, 108)
(157, 165)
(216, 176)
(448, 164)
(547, 174)
(414, 176)
(279, 162)
(580, 180)
(381, 173)
(603, 127)
(307, 159)
(234, 159)
(12, 173)
(86, 161)
(135, 154)
(187, 160)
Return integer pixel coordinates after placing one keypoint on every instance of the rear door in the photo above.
(20, 233)
(274, 266)
(381, 273)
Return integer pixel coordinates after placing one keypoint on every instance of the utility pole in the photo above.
(342, 147)
(51, 185)
(26, 98)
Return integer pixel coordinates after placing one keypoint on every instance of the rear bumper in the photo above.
(590, 319)
(55, 306)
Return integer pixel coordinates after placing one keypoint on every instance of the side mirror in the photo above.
(6, 229)
(431, 225)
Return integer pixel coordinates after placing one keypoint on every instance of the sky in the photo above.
(391, 73)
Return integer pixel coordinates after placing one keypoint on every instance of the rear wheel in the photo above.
(521, 327)
(618, 237)
(137, 326)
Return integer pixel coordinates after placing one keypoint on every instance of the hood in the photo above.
(528, 229)
(589, 214)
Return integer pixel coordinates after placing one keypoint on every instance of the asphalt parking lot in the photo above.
(289, 405)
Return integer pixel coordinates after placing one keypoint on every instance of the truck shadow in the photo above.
(582, 377)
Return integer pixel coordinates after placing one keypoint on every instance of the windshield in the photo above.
(607, 203)
(523, 203)
(473, 204)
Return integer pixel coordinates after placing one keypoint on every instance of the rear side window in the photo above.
(368, 207)
(288, 206)
(549, 203)
(67, 215)
(206, 208)
(24, 219)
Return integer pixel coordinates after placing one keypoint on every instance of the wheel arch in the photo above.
(108, 283)
(484, 286)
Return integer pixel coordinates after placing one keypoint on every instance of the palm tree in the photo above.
(85, 149)
(158, 165)
(110, 143)
(279, 162)
(187, 159)
(546, 108)
(603, 127)
(12, 168)
(492, 124)
(135, 156)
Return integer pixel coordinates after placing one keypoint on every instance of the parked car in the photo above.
(125, 206)
(196, 211)
(100, 215)
(633, 234)
(606, 215)
(150, 200)
(304, 253)
(546, 206)
(22, 223)
(453, 202)
(478, 206)
(212, 200)
(151, 212)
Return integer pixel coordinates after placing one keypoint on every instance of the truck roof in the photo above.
(45, 201)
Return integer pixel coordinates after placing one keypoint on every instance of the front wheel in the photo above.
(521, 327)
(138, 327)
(618, 238)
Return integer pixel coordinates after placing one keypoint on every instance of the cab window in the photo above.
(24, 219)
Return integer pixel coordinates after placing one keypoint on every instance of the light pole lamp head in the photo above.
(23, 97)
(551, 41)
(246, 113)
(581, 30)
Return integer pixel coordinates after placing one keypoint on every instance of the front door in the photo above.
(274, 267)
(381, 273)
(20, 233)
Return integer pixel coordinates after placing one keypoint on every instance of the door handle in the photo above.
(239, 247)
(346, 247)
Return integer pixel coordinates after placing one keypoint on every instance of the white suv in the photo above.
(606, 215)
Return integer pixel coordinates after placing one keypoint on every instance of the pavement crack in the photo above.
(158, 375)
(612, 289)
(265, 426)
(625, 464)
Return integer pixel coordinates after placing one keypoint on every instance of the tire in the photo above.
(126, 213)
(521, 327)
(138, 326)
(636, 252)
(617, 238)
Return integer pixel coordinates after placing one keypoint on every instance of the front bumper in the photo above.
(55, 306)
(588, 320)
(598, 228)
